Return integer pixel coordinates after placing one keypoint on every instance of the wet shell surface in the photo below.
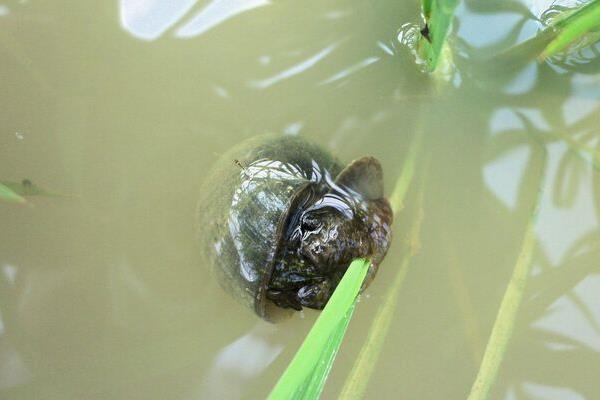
(280, 220)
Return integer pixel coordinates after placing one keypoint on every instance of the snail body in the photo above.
(280, 220)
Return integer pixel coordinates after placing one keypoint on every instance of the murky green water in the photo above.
(127, 105)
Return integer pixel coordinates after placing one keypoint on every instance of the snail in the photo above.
(280, 220)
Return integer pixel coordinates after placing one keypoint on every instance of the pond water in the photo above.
(128, 104)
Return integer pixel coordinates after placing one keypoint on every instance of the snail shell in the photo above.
(280, 220)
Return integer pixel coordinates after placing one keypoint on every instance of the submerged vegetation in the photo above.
(511, 302)
(10, 196)
(306, 374)
(305, 377)
(16, 192)
(567, 39)
(567, 30)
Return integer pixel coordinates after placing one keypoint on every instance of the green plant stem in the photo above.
(305, 376)
(362, 370)
(408, 171)
(472, 325)
(438, 16)
(361, 373)
(321, 371)
(509, 307)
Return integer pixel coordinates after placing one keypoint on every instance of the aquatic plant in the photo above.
(526, 296)
(16, 192)
(438, 15)
(305, 376)
(567, 27)
(509, 307)
(10, 196)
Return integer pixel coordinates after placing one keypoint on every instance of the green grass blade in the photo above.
(509, 307)
(357, 380)
(438, 16)
(570, 15)
(305, 375)
(314, 386)
(26, 188)
(573, 27)
(10, 196)
(426, 7)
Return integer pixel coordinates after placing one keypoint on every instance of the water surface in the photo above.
(127, 105)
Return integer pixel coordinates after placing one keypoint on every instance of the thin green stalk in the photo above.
(357, 380)
(471, 322)
(408, 171)
(305, 375)
(363, 368)
(321, 371)
(438, 16)
(509, 308)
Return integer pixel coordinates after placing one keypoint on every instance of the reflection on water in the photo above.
(4, 10)
(295, 69)
(504, 175)
(215, 13)
(575, 316)
(350, 70)
(13, 369)
(105, 297)
(484, 30)
(149, 19)
(236, 364)
(523, 82)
